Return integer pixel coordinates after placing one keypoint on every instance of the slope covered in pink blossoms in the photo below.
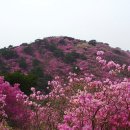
(89, 87)
(58, 56)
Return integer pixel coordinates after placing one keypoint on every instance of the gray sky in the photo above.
(104, 20)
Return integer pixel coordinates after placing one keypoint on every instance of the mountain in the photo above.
(57, 56)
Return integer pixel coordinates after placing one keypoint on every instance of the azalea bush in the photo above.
(77, 102)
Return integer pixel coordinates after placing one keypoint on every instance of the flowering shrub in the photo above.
(106, 109)
(57, 56)
(78, 102)
(15, 112)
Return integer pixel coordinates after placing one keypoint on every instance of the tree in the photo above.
(25, 81)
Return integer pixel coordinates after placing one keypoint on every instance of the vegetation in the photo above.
(8, 53)
(38, 71)
(35, 62)
(76, 69)
(22, 63)
(72, 57)
(42, 79)
(56, 51)
(28, 50)
(78, 88)
(25, 81)
(3, 67)
(78, 103)
(92, 42)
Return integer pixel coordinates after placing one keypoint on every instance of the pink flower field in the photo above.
(95, 98)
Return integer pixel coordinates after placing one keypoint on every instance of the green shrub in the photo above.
(42, 79)
(83, 57)
(28, 50)
(35, 62)
(62, 42)
(24, 44)
(56, 51)
(3, 67)
(51, 47)
(37, 71)
(25, 81)
(92, 42)
(7, 53)
(76, 69)
(22, 63)
(71, 57)
(42, 83)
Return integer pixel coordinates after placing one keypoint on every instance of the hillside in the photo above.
(96, 96)
(52, 56)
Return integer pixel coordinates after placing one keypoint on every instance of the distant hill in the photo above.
(54, 56)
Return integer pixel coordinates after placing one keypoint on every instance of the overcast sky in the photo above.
(104, 20)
